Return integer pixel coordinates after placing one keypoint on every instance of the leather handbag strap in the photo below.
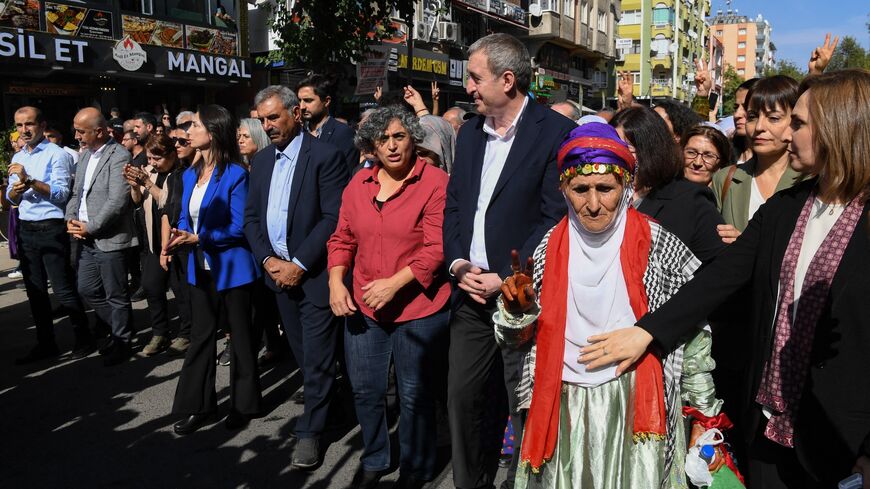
(727, 184)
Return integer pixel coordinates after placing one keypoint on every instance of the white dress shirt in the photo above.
(193, 208)
(497, 149)
(89, 179)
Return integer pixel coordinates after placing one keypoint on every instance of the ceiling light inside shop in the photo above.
(56, 67)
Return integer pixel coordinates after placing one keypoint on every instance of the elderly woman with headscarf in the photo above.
(602, 265)
(438, 145)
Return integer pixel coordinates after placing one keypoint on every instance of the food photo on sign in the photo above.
(168, 34)
(22, 14)
(139, 29)
(63, 20)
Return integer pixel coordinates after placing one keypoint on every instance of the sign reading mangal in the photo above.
(206, 64)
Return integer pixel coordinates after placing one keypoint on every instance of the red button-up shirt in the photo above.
(405, 232)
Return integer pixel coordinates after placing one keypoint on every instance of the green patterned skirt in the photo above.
(595, 448)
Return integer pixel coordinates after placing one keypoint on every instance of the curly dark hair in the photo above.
(376, 123)
(682, 116)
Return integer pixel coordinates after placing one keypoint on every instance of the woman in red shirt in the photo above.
(389, 232)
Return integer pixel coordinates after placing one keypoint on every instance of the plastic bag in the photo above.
(696, 467)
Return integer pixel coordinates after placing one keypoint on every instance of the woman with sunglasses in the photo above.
(150, 188)
(221, 270)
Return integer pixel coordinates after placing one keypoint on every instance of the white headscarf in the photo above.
(597, 296)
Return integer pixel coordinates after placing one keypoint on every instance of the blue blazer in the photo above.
(526, 201)
(220, 228)
(315, 198)
(341, 136)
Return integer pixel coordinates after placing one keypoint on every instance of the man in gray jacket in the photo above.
(100, 214)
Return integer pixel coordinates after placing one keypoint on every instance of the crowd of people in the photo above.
(611, 286)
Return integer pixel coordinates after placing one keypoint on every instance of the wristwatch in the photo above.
(29, 180)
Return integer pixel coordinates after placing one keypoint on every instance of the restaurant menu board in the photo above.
(67, 20)
(153, 32)
(211, 40)
(19, 14)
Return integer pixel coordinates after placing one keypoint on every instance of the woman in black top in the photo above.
(683, 208)
(150, 188)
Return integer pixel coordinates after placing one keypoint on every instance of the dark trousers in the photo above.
(480, 394)
(773, 466)
(103, 284)
(266, 317)
(195, 393)
(155, 281)
(418, 348)
(312, 332)
(43, 248)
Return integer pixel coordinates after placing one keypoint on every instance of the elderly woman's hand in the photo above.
(517, 292)
(623, 346)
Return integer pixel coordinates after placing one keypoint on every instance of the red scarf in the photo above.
(542, 425)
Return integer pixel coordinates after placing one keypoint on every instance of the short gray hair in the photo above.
(288, 97)
(185, 114)
(576, 111)
(377, 122)
(506, 53)
(255, 129)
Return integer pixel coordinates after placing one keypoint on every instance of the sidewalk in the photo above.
(77, 424)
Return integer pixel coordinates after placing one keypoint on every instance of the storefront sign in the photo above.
(458, 72)
(129, 54)
(205, 64)
(91, 55)
(39, 47)
(425, 63)
(22, 14)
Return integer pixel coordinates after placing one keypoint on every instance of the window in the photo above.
(602, 21)
(720, 33)
(662, 15)
(630, 17)
(661, 46)
(741, 32)
(741, 45)
(741, 72)
(636, 77)
(741, 58)
(568, 8)
(584, 12)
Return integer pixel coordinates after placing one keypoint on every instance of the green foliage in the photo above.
(786, 67)
(318, 34)
(730, 81)
(5, 150)
(849, 54)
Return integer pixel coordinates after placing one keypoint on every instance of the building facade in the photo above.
(747, 42)
(573, 46)
(133, 54)
(658, 42)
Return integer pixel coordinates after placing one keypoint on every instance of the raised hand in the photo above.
(517, 292)
(703, 80)
(821, 56)
(435, 90)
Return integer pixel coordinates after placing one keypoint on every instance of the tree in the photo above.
(730, 81)
(317, 33)
(849, 54)
(786, 67)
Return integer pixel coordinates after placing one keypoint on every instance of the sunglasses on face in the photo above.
(180, 141)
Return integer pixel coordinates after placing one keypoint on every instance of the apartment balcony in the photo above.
(632, 31)
(661, 60)
(631, 5)
(660, 90)
(631, 62)
(666, 29)
(553, 26)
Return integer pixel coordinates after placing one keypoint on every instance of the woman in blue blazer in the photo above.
(221, 269)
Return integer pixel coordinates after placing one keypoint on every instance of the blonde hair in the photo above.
(838, 103)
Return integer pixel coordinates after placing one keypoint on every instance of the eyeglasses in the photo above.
(707, 158)
(180, 141)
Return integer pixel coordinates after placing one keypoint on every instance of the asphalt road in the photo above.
(77, 424)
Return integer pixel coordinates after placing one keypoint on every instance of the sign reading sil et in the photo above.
(25, 46)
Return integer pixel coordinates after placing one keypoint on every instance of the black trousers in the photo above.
(195, 393)
(267, 318)
(44, 252)
(480, 394)
(155, 281)
(312, 332)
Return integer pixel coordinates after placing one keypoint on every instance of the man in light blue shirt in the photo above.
(39, 183)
